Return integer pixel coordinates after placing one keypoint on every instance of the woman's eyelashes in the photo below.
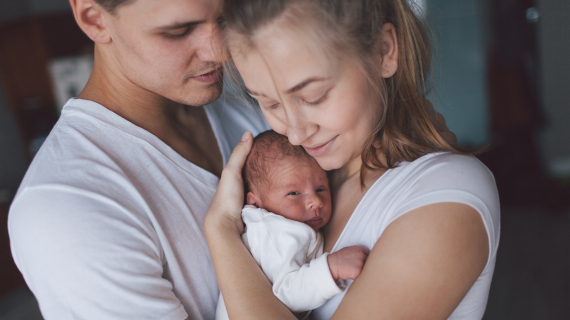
(273, 105)
(319, 100)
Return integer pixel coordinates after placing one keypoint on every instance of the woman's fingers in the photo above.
(228, 200)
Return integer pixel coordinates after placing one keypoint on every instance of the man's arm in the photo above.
(85, 256)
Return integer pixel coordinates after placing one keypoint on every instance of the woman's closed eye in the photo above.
(318, 100)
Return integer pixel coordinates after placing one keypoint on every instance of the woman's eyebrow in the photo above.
(305, 83)
(253, 93)
(292, 90)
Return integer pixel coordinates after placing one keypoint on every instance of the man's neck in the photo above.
(185, 129)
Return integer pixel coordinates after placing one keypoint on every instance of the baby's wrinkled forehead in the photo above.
(271, 151)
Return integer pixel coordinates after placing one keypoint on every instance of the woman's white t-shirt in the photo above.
(434, 178)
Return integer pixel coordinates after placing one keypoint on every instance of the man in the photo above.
(107, 223)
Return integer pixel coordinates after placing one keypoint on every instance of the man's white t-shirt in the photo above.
(434, 178)
(108, 221)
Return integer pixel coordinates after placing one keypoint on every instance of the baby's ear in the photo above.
(253, 200)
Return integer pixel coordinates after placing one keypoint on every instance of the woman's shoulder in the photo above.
(446, 170)
(434, 178)
(442, 162)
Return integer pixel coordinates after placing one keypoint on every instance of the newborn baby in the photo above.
(288, 201)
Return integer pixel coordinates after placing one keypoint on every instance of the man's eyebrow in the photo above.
(178, 25)
(304, 84)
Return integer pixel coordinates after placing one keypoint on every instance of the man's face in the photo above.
(169, 47)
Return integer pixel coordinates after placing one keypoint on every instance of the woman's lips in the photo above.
(209, 77)
(320, 150)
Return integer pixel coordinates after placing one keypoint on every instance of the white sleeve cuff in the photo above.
(322, 275)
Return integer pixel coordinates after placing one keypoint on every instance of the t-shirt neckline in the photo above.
(103, 114)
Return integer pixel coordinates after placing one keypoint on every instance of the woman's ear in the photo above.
(90, 18)
(253, 200)
(389, 51)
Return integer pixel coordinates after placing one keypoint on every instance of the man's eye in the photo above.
(293, 193)
(177, 34)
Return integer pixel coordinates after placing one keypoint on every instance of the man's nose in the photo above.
(210, 47)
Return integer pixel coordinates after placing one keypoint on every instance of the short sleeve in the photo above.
(85, 256)
(460, 179)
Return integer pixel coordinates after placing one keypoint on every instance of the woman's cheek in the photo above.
(275, 124)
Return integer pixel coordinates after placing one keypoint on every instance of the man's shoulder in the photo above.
(80, 146)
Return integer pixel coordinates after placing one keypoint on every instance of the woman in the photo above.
(345, 79)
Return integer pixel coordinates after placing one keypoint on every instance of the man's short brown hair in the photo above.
(111, 5)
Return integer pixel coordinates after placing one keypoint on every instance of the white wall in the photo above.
(554, 48)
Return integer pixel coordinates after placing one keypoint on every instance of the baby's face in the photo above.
(299, 190)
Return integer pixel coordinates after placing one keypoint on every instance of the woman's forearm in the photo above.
(247, 292)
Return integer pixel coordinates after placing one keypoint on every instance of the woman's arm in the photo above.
(247, 292)
(422, 266)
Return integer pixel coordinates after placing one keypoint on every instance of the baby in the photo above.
(288, 201)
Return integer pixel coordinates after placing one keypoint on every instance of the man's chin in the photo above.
(200, 96)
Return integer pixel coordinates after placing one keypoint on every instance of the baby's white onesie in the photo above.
(290, 253)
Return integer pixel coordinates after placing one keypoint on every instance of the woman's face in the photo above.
(323, 104)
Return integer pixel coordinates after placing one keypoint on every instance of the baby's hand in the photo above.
(347, 263)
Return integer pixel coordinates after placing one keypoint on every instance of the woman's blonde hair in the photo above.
(405, 129)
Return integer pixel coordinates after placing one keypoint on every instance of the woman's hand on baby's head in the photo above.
(228, 201)
(347, 263)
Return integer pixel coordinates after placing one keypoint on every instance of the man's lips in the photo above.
(209, 77)
(320, 150)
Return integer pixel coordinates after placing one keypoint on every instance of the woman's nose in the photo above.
(299, 127)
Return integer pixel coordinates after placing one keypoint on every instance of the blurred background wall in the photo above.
(459, 51)
(554, 46)
(13, 153)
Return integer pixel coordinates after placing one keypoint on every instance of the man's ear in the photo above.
(389, 51)
(90, 17)
(253, 200)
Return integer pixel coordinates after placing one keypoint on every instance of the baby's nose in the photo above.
(314, 203)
